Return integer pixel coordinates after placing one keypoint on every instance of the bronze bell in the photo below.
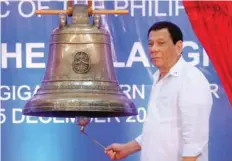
(80, 78)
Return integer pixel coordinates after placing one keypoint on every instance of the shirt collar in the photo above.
(176, 69)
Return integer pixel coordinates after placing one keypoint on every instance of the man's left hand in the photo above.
(189, 159)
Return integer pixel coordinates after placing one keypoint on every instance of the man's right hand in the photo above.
(120, 151)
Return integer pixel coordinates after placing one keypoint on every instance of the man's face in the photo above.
(162, 51)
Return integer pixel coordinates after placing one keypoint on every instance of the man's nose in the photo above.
(153, 51)
(152, 54)
(154, 48)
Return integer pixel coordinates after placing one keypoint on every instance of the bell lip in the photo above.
(73, 114)
(120, 107)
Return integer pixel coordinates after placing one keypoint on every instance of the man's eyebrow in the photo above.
(159, 39)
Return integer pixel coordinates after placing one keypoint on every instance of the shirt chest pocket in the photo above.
(167, 105)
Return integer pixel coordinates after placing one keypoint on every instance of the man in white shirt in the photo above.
(177, 125)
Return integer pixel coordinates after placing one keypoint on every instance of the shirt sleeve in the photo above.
(195, 102)
(138, 139)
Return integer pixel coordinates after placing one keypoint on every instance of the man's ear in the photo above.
(179, 47)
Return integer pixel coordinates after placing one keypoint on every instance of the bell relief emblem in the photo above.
(81, 63)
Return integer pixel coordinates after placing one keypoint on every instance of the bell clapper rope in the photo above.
(83, 122)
